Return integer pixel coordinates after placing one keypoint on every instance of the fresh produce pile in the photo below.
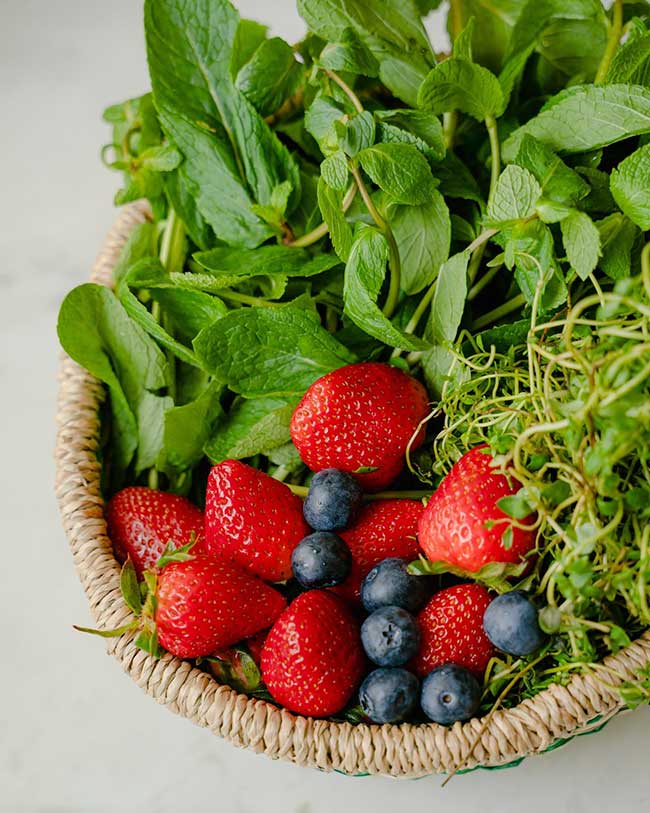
(376, 440)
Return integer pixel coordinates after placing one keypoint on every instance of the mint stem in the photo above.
(321, 231)
(497, 313)
(612, 42)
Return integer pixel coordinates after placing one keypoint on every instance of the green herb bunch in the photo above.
(477, 217)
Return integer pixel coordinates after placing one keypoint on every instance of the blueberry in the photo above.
(389, 695)
(511, 623)
(450, 693)
(390, 636)
(321, 559)
(333, 500)
(389, 583)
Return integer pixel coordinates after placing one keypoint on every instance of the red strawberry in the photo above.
(312, 660)
(451, 630)
(141, 523)
(255, 644)
(360, 416)
(383, 528)
(205, 604)
(252, 519)
(453, 526)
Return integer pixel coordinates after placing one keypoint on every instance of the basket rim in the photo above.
(554, 715)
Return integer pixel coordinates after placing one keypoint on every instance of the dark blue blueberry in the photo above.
(390, 636)
(321, 559)
(450, 693)
(389, 695)
(389, 583)
(511, 623)
(333, 500)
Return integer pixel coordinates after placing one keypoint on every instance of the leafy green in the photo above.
(330, 202)
(557, 181)
(270, 76)
(449, 299)
(630, 184)
(582, 243)
(269, 351)
(349, 54)
(457, 84)
(400, 170)
(515, 196)
(256, 426)
(586, 117)
(364, 276)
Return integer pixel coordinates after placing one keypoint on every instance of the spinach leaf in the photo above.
(269, 351)
(586, 117)
(457, 84)
(515, 196)
(423, 235)
(187, 429)
(630, 185)
(271, 76)
(582, 242)
(97, 333)
(364, 275)
(400, 170)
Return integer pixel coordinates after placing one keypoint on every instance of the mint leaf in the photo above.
(530, 251)
(264, 261)
(423, 235)
(557, 181)
(449, 299)
(320, 118)
(271, 76)
(330, 202)
(357, 133)
(582, 243)
(192, 81)
(349, 54)
(462, 45)
(514, 198)
(457, 84)
(401, 170)
(249, 36)
(630, 185)
(617, 236)
(255, 426)
(334, 171)
(364, 276)
(456, 181)
(567, 122)
(269, 351)
(516, 505)
(391, 29)
(181, 194)
(631, 62)
(417, 127)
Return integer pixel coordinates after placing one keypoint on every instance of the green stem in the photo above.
(246, 299)
(489, 275)
(612, 42)
(497, 313)
(393, 251)
(352, 96)
(495, 149)
(320, 231)
(172, 249)
(456, 15)
(449, 124)
(302, 491)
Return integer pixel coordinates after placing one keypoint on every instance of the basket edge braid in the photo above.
(556, 714)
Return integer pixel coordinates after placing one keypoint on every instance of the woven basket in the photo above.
(550, 719)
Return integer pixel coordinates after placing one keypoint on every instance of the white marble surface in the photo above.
(76, 735)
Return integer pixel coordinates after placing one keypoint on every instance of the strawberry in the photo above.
(359, 417)
(456, 526)
(142, 522)
(204, 604)
(383, 528)
(253, 520)
(451, 630)
(312, 660)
